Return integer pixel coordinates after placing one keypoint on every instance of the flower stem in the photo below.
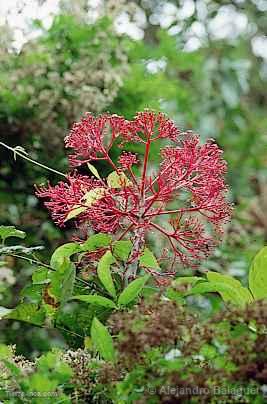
(171, 212)
(145, 167)
(132, 266)
(133, 177)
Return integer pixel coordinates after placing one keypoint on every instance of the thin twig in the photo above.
(68, 331)
(34, 261)
(21, 154)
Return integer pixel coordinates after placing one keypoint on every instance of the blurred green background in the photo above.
(203, 62)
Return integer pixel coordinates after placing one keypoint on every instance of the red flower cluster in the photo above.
(188, 188)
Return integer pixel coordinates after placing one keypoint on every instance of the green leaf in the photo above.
(217, 277)
(96, 241)
(148, 259)
(62, 282)
(10, 231)
(52, 363)
(13, 369)
(28, 312)
(63, 252)
(75, 212)
(68, 283)
(175, 295)
(39, 383)
(229, 280)
(258, 275)
(6, 352)
(93, 171)
(32, 292)
(122, 249)
(184, 280)
(40, 276)
(102, 340)
(93, 196)
(104, 273)
(4, 311)
(208, 351)
(88, 343)
(115, 180)
(95, 299)
(132, 291)
(227, 292)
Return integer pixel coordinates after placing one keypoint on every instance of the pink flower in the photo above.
(89, 137)
(126, 160)
(151, 126)
(86, 138)
(66, 196)
(184, 201)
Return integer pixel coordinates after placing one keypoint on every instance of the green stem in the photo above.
(34, 261)
(16, 152)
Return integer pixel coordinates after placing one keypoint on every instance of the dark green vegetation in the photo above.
(199, 341)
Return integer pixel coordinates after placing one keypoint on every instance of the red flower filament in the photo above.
(184, 201)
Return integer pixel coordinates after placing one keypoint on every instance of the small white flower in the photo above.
(172, 354)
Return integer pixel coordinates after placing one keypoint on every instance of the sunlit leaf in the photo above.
(96, 241)
(89, 199)
(132, 291)
(62, 252)
(75, 212)
(6, 352)
(228, 292)
(115, 180)
(148, 259)
(229, 280)
(93, 196)
(10, 231)
(40, 276)
(93, 171)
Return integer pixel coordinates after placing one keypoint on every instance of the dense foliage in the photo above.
(166, 353)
